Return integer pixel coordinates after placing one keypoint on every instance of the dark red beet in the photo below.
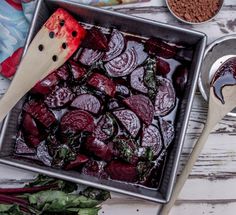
(33, 141)
(151, 138)
(63, 72)
(87, 102)
(158, 47)
(116, 45)
(29, 125)
(106, 128)
(77, 120)
(180, 78)
(94, 168)
(40, 112)
(95, 40)
(103, 84)
(79, 160)
(142, 106)
(47, 84)
(136, 80)
(59, 97)
(127, 149)
(77, 70)
(125, 63)
(129, 120)
(90, 56)
(168, 132)
(122, 171)
(98, 148)
(165, 97)
(162, 67)
(21, 148)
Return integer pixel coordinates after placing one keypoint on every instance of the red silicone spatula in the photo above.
(56, 41)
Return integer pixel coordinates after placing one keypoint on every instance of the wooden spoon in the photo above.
(56, 41)
(216, 111)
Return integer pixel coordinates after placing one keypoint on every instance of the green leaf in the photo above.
(43, 180)
(150, 77)
(10, 210)
(97, 194)
(88, 211)
(57, 201)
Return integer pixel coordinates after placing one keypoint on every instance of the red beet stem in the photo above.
(27, 189)
(13, 200)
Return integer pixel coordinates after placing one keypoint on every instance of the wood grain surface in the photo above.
(211, 187)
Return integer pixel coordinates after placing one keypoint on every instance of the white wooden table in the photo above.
(211, 187)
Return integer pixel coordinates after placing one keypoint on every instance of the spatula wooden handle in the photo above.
(187, 169)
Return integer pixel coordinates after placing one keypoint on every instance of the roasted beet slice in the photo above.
(90, 56)
(59, 97)
(142, 106)
(137, 81)
(46, 85)
(103, 83)
(79, 160)
(21, 148)
(122, 171)
(95, 40)
(155, 46)
(151, 138)
(162, 67)
(63, 72)
(87, 102)
(77, 70)
(32, 141)
(126, 148)
(98, 148)
(95, 168)
(180, 78)
(168, 132)
(165, 97)
(77, 120)
(29, 125)
(125, 63)
(122, 90)
(113, 104)
(40, 112)
(116, 45)
(129, 120)
(106, 128)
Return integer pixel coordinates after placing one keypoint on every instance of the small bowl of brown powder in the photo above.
(194, 11)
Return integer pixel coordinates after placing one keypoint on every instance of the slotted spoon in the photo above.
(216, 111)
(56, 41)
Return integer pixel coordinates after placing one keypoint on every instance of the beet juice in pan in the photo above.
(109, 111)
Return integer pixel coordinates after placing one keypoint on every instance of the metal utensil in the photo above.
(216, 53)
(216, 111)
(56, 41)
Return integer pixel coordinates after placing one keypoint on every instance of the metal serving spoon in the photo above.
(216, 111)
(56, 41)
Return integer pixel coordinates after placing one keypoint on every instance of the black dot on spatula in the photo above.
(74, 33)
(54, 58)
(62, 22)
(64, 45)
(51, 34)
(40, 47)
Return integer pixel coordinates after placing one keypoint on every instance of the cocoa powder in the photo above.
(194, 10)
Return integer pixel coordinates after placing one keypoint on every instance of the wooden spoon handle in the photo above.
(187, 169)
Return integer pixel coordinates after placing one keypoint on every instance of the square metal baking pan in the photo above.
(133, 25)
